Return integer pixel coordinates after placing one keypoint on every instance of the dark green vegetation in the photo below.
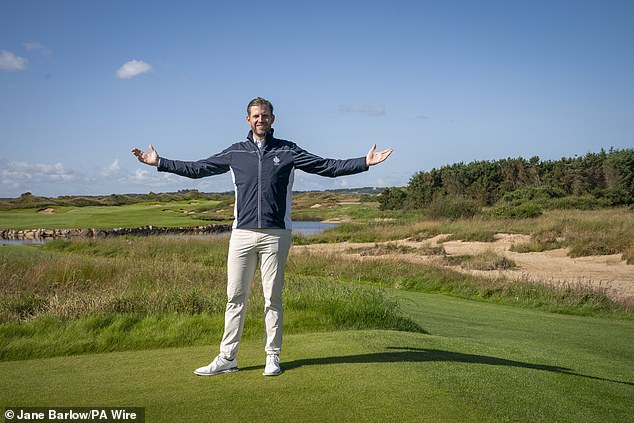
(519, 187)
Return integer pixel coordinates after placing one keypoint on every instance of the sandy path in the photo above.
(553, 267)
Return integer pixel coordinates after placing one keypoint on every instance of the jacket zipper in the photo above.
(259, 187)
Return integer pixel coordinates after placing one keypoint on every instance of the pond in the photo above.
(301, 228)
(311, 228)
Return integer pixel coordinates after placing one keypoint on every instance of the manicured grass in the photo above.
(480, 363)
(169, 214)
(179, 213)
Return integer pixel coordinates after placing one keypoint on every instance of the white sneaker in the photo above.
(272, 367)
(218, 366)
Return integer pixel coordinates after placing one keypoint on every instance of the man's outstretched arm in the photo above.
(376, 157)
(151, 158)
(311, 163)
(214, 165)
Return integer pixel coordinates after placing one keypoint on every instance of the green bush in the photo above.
(451, 207)
(392, 198)
(615, 196)
(584, 202)
(522, 211)
(606, 175)
(534, 194)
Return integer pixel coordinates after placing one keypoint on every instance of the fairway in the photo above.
(167, 214)
(479, 363)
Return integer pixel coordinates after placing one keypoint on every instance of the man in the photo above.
(262, 168)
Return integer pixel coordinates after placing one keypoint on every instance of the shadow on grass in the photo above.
(421, 355)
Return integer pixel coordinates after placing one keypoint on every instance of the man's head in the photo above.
(260, 117)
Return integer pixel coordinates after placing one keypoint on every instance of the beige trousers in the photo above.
(247, 247)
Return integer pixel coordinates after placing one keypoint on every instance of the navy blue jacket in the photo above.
(263, 179)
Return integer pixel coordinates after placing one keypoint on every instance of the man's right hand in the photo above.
(151, 158)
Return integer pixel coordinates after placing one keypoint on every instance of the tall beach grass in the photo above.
(577, 299)
(71, 297)
(584, 232)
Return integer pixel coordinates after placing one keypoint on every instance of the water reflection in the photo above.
(311, 228)
(37, 241)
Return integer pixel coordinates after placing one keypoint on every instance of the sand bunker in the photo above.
(554, 267)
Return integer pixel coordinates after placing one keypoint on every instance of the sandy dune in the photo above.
(554, 267)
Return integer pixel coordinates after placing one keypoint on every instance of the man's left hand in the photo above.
(376, 157)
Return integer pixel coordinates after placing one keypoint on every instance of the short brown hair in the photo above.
(259, 101)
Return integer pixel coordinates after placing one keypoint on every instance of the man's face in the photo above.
(260, 120)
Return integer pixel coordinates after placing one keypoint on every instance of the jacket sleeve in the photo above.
(311, 163)
(214, 165)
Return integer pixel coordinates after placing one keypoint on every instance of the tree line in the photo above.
(605, 178)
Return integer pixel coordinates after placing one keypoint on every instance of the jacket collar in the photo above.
(267, 139)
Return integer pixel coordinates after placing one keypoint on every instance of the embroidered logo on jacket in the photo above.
(276, 161)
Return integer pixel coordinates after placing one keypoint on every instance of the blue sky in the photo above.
(82, 82)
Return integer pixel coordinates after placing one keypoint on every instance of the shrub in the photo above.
(392, 198)
(584, 202)
(487, 260)
(452, 207)
(540, 241)
(522, 211)
(534, 194)
(615, 196)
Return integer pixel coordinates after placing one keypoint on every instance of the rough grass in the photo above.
(101, 295)
(540, 242)
(487, 260)
(394, 248)
(311, 306)
(70, 297)
(585, 232)
(581, 299)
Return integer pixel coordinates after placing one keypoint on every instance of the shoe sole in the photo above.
(272, 374)
(235, 369)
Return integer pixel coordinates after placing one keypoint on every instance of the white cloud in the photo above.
(35, 46)
(368, 109)
(111, 170)
(133, 68)
(23, 176)
(11, 62)
(140, 175)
